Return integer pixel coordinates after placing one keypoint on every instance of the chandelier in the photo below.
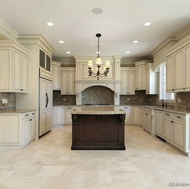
(98, 74)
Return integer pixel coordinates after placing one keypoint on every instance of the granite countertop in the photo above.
(97, 110)
(16, 111)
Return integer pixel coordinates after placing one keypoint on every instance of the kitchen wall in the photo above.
(11, 97)
(59, 99)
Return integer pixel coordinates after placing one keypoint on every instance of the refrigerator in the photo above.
(45, 106)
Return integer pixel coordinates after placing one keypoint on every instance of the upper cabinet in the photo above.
(140, 75)
(127, 81)
(68, 81)
(151, 79)
(13, 67)
(56, 66)
(177, 67)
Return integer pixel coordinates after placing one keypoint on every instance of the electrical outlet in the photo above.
(128, 99)
(4, 101)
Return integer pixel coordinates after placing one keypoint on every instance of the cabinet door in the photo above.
(131, 82)
(140, 77)
(178, 70)
(124, 78)
(187, 67)
(33, 129)
(24, 73)
(58, 115)
(7, 124)
(168, 130)
(136, 115)
(169, 74)
(159, 123)
(68, 82)
(5, 70)
(27, 129)
(179, 135)
(149, 122)
(56, 77)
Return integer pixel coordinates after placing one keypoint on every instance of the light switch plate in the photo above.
(4, 101)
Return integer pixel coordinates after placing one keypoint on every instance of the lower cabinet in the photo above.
(58, 115)
(159, 123)
(136, 115)
(176, 130)
(127, 110)
(148, 120)
(68, 110)
(17, 129)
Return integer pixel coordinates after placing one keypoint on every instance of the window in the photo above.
(163, 94)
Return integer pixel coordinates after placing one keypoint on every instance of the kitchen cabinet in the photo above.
(151, 79)
(175, 80)
(68, 110)
(17, 129)
(159, 123)
(68, 81)
(136, 115)
(127, 81)
(58, 115)
(127, 110)
(176, 130)
(56, 66)
(13, 67)
(140, 75)
(148, 120)
(177, 67)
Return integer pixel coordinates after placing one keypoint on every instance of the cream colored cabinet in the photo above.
(67, 81)
(56, 75)
(136, 115)
(140, 75)
(176, 130)
(58, 115)
(127, 81)
(17, 129)
(13, 67)
(151, 79)
(148, 120)
(175, 80)
(127, 110)
(68, 117)
(159, 123)
(187, 68)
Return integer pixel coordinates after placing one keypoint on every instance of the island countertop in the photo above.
(98, 110)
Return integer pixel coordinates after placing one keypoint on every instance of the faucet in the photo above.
(163, 103)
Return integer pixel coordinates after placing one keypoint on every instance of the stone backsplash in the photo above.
(59, 99)
(11, 97)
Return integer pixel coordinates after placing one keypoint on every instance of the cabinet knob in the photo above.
(172, 122)
(21, 89)
(183, 88)
(172, 89)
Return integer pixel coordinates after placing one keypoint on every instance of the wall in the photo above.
(11, 97)
(59, 99)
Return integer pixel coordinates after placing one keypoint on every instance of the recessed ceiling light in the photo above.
(147, 24)
(68, 52)
(135, 41)
(128, 52)
(61, 41)
(97, 11)
(50, 23)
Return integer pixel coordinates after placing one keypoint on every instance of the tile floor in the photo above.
(147, 163)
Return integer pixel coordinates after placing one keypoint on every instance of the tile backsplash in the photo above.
(11, 98)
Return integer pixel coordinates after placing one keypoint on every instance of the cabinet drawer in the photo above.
(180, 117)
(168, 114)
(28, 114)
(126, 108)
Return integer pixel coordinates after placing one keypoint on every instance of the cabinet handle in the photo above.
(183, 88)
(172, 89)
(33, 113)
(21, 89)
(26, 115)
(167, 114)
(172, 122)
(179, 117)
(30, 120)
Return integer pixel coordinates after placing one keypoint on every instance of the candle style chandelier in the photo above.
(98, 62)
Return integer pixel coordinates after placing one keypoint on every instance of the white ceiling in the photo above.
(120, 23)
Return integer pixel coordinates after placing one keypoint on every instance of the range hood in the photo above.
(83, 81)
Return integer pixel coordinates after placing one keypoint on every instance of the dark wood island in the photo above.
(98, 128)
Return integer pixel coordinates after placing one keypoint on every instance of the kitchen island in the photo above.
(98, 128)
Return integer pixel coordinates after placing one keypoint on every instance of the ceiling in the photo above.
(120, 23)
